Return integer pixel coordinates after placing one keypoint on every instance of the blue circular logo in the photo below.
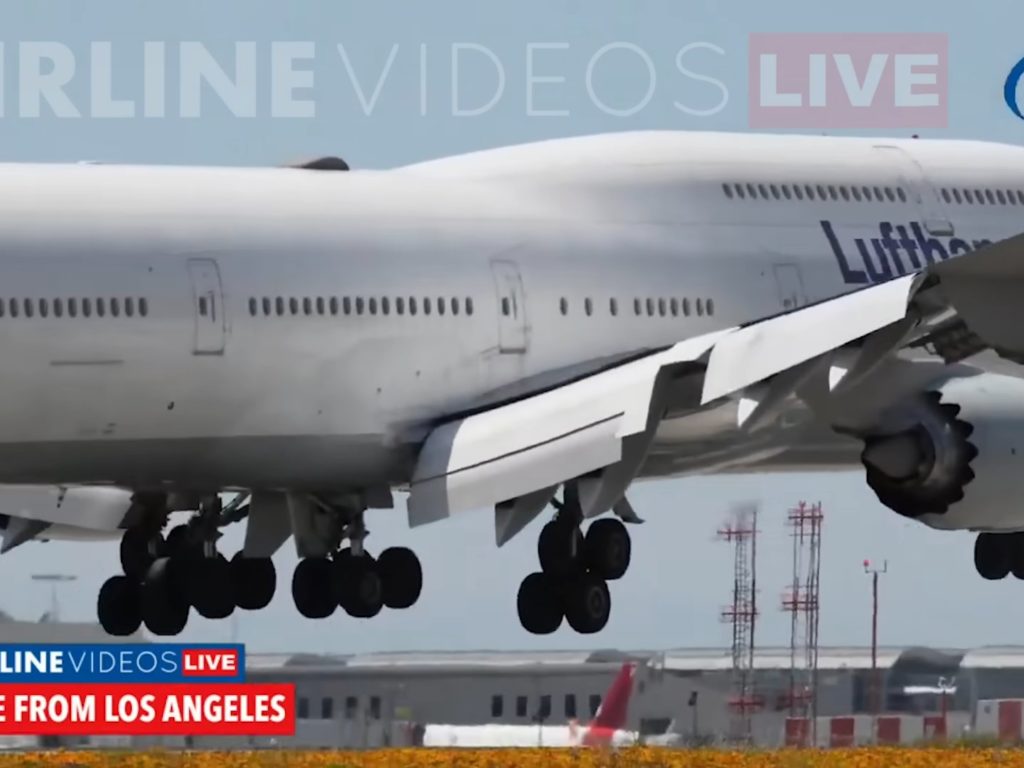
(1010, 89)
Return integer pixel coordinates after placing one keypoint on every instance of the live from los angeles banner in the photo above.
(138, 690)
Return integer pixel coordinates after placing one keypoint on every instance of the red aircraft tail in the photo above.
(611, 715)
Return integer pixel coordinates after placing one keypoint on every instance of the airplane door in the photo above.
(207, 307)
(933, 213)
(791, 286)
(512, 329)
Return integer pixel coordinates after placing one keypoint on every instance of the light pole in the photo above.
(876, 687)
(53, 579)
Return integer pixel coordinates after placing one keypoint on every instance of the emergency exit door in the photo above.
(207, 307)
(512, 327)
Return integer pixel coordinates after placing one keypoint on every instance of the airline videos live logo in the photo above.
(210, 662)
(848, 81)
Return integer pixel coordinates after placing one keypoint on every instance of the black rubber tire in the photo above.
(135, 554)
(402, 577)
(588, 604)
(253, 581)
(992, 556)
(361, 588)
(608, 549)
(555, 548)
(119, 606)
(177, 542)
(164, 608)
(538, 604)
(311, 588)
(210, 589)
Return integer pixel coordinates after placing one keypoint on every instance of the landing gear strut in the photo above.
(575, 571)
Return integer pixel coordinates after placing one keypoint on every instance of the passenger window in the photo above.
(595, 704)
(371, 304)
(440, 306)
(728, 190)
(129, 306)
(14, 307)
(650, 307)
(346, 305)
(293, 305)
(385, 306)
(739, 192)
(28, 307)
(58, 308)
(1020, 196)
(856, 193)
(785, 191)
(497, 706)
(751, 191)
(889, 194)
(979, 197)
(956, 195)
(613, 307)
(968, 196)
(115, 307)
(661, 307)
(307, 306)
(469, 305)
(101, 307)
(844, 193)
(700, 307)
(686, 307)
(504, 306)
(143, 307)
(455, 306)
(412, 305)
(359, 305)
(946, 196)
(636, 307)
(400, 305)
(333, 303)
(798, 191)
(1001, 197)
(990, 197)
(520, 706)
(710, 306)
(570, 705)
(44, 308)
(588, 307)
(901, 194)
(763, 190)
(375, 707)
(320, 305)
(326, 708)
(866, 191)
(563, 306)
(674, 306)
(544, 711)
(878, 195)
(810, 192)
(351, 707)
(775, 191)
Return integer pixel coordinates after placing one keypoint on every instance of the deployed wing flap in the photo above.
(541, 441)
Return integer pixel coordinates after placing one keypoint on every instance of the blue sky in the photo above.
(681, 576)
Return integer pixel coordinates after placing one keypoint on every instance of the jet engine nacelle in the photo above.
(43, 513)
(953, 457)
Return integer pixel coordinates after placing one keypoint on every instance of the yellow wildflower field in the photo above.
(880, 757)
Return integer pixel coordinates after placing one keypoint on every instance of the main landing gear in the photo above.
(164, 578)
(352, 579)
(575, 570)
(997, 555)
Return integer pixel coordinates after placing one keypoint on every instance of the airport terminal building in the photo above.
(367, 700)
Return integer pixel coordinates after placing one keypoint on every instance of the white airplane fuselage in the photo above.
(279, 337)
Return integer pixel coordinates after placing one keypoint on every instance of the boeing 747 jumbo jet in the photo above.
(517, 329)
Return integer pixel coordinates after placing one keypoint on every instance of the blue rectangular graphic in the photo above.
(135, 663)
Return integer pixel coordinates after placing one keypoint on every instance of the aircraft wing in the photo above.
(598, 429)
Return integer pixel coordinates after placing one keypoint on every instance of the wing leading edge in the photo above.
(598, 430)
